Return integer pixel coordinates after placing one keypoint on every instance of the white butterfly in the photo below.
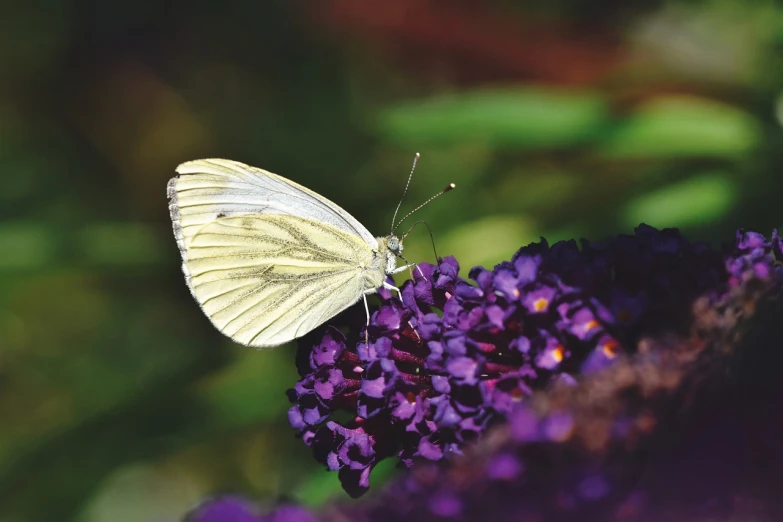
(267, 259)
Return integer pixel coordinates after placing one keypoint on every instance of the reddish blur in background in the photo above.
(560, 118)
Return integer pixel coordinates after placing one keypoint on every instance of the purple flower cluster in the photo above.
(662, 434)
(453, 358)
(653, 437)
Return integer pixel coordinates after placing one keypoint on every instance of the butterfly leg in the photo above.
(393, 288)
(416, 265)
(406, 267)
(367, 328)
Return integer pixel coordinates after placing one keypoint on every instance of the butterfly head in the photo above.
(392, 251)
(395, 245)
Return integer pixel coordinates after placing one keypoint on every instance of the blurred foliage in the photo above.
(499, 119)
(559, 119)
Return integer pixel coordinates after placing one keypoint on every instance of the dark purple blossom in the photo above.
(453, 358)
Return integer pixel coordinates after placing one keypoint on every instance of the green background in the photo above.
(563, 118)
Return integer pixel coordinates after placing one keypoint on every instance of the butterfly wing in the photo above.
(267, 259)
(265, 279)
(211, 188)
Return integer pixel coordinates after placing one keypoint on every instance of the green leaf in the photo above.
(143, 492)
(681, 127)
(692, 201)
(26, 245)
(513, 118)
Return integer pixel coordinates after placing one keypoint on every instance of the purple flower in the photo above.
(289, 513)
(454, 357)
(753, 257)
(224, 509)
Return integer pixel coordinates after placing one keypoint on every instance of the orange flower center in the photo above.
(610, 348)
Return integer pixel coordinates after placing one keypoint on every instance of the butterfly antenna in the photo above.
(448, 187)
(415, 161)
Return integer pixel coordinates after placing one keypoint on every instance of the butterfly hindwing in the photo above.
(265, 279)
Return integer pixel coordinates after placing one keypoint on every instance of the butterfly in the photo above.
(267, 259)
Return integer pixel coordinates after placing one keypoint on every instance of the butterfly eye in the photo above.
(394, 244)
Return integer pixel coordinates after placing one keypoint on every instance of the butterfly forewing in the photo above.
(207, 189)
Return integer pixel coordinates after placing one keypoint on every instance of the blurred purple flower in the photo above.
(236, 509)
(453, 358)
(224, 509)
